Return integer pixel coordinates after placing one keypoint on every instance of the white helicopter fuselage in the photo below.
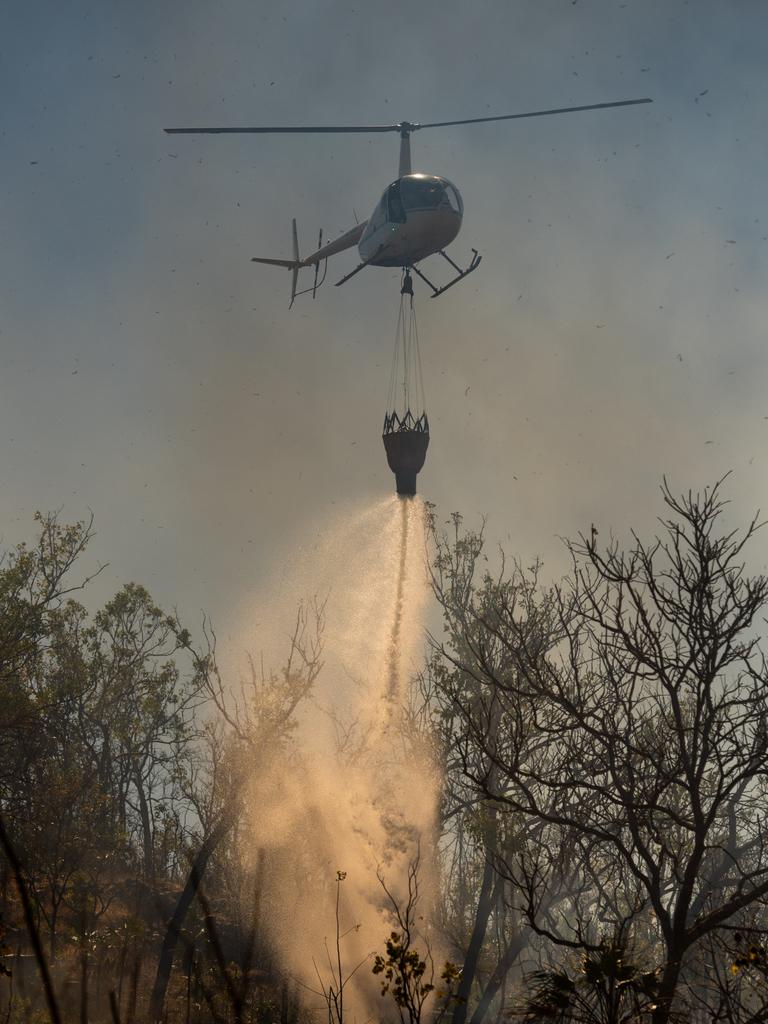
(418, 215)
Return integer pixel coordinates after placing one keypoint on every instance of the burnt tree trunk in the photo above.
(662, 1010)
(482, 914)
(176, 922)
(496, 980)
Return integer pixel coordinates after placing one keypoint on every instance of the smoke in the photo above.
(357, 801)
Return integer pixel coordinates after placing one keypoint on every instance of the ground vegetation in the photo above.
(600, 848)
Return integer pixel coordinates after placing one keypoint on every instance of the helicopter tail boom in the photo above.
(274, 263)
(345, 241)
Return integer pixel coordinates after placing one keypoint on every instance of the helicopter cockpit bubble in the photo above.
(429, 192)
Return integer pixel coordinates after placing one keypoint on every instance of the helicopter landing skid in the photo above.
(361, 266)
(460, 274)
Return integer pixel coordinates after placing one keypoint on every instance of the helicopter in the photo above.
(418, 214)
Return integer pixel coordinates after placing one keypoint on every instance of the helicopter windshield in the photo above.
(428, 193)
(416, 192)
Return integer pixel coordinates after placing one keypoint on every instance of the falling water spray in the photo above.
(357, 795)
(394, 689)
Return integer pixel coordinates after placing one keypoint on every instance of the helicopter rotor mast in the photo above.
(404, 167)
(404, 128)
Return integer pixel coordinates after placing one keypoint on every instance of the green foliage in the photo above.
(96, 721)
(403, 972)
(605, 988)
(551, 998)
(752, 956)
(123, 754)
(402, 968)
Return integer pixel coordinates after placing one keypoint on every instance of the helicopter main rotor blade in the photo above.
(404, 128)
(285, 130)
(534, 113)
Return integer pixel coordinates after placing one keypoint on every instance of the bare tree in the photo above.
(728, 979)
(482, 915)
(634, 748)
(256, 725)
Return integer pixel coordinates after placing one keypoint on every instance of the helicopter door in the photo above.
(453, 197)
(395, 208)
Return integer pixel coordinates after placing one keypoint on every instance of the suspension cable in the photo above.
(406, 394)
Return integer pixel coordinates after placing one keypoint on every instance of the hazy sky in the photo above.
(149, 372)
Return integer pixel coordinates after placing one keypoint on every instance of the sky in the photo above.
(151, 375)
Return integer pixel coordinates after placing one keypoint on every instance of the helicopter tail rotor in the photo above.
(292, 265)
(296, 262)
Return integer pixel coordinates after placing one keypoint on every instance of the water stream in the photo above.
(355, 795)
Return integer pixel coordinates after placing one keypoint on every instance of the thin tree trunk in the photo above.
(176, 922)
(52, 936)
(133, 995)
(34, 936)
(482, 913)
(84, 980)
(146, 828)
(496, 980)
(190, 970)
